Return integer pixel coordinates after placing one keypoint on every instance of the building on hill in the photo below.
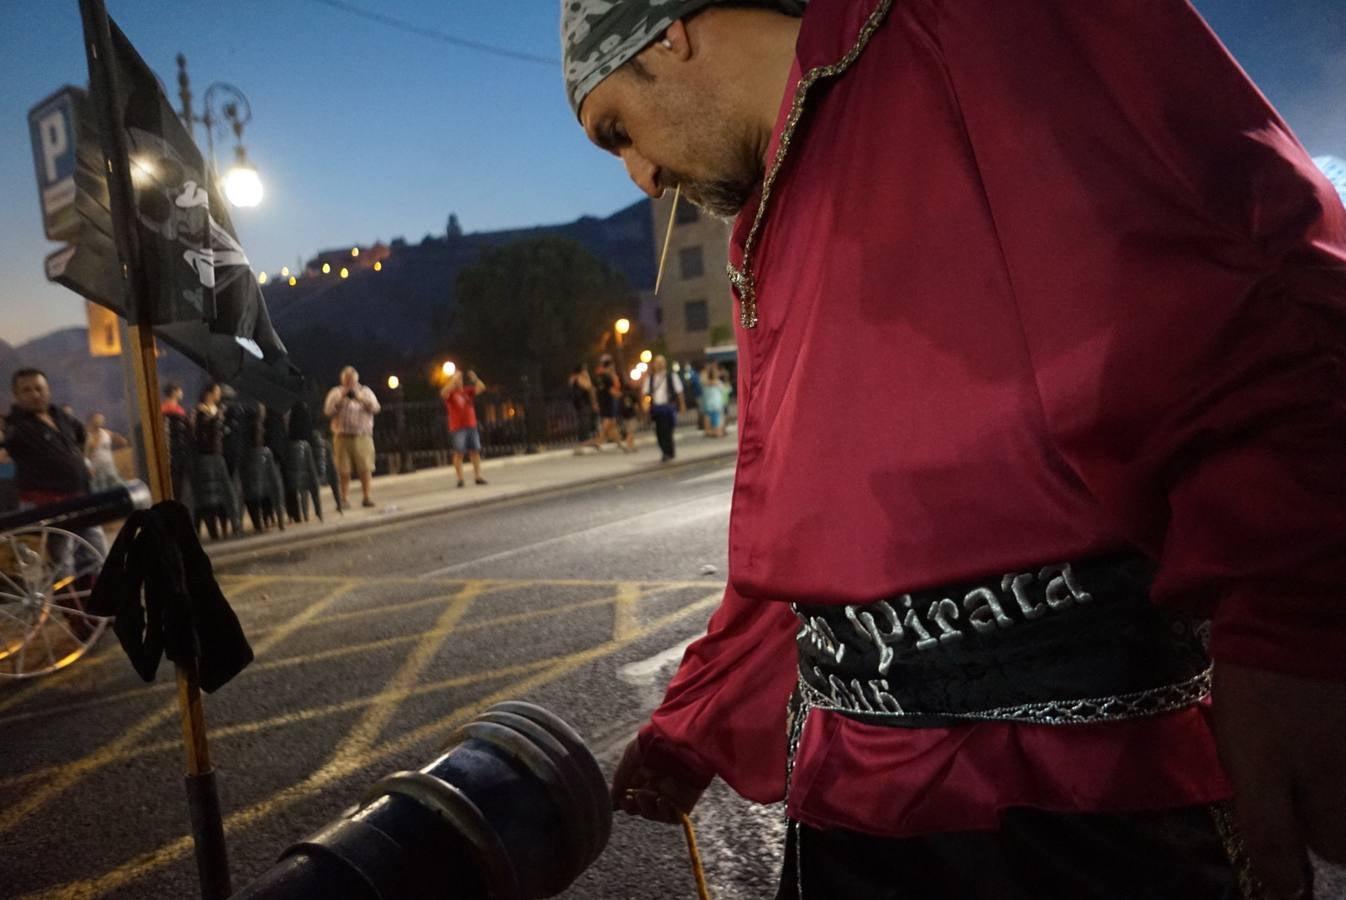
(353, 259)
(695, 305)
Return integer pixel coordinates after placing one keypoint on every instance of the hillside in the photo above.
(397, 318)
(385, 322)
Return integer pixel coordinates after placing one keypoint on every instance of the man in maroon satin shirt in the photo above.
(1071, 622)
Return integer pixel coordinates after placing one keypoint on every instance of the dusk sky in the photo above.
(362, 131)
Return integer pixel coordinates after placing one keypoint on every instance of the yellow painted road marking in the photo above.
(156, 859)
(305, 715)
(624, 617)
(73, 772)
(334, 652)
(101, 657)
(365, 732)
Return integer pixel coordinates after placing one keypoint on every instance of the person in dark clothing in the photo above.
(608, 389)
(46, 444)
(585, 400)
(208, 427)
(47, 447)
(664, 388)
(178, 429)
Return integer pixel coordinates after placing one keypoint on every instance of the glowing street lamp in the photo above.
(448, 368)
(646, 357)
(394, 382)
(326, 268)
(637, 373)
(224, 104)
(293, 281)
(261, 278)
(345, 273)
(622, 326)
(355, 251)
(284, 271)
(378, 266)
(242, 184)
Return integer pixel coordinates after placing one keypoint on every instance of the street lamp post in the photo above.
(620, 328)
(404, 463)
(223, 103)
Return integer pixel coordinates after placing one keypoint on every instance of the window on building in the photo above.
(691, 262)
(698, 315)
(686, 214)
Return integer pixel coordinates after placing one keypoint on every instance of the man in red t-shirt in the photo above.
(460, 396)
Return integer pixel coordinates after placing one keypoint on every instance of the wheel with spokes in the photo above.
(46, 576)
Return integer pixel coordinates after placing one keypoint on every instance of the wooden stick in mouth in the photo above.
(668, 238)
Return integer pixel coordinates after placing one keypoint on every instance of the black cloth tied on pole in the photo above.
(158, 582)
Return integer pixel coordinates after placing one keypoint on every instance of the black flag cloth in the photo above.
(204, 298)
(159, 584)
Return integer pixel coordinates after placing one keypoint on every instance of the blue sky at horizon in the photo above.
(364, 132)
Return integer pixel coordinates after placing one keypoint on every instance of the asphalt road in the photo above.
(371, 649)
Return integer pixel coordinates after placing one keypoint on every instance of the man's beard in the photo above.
(722, 197)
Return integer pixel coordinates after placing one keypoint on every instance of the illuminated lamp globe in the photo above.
(243, 186)
(646, 356)
(448, 368)
(637, 374)
(622, 326)
(394, 382)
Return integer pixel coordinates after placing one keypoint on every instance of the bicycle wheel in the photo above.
(46, 575)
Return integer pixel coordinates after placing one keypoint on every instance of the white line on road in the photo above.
(607, 526)
(646, 670)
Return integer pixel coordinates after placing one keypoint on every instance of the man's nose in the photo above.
(643, 172)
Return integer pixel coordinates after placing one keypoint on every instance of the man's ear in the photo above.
(676, 41)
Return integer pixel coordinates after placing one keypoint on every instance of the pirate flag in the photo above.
(203, 297)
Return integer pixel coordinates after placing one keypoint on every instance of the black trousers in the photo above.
(1175, 854)
(664, 419)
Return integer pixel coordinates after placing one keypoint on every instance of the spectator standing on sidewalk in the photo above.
(714, 399)
(608, 388)
(98, 446)
(664, 388)
(178, 431)
(460, 399)
(585, 401)
(352, 407)
(46, 445)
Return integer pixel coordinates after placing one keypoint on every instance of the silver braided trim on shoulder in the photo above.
(1135, 705)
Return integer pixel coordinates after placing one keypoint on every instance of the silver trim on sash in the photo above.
(1135, 705)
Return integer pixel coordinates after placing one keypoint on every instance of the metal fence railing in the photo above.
(509, 425)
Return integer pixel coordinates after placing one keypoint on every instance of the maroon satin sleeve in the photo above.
(1179, 268)
(724, 712)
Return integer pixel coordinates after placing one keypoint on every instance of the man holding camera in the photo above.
(352, 407)
(460, 397)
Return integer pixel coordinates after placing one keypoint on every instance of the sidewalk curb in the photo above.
(274, 542)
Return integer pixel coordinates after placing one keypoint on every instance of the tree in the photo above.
(536, 307)
(528, 311)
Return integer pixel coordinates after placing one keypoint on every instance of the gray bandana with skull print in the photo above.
(599, 36)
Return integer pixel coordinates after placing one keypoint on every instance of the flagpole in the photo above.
(202, 799)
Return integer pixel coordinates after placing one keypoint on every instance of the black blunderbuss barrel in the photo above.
(516, 808)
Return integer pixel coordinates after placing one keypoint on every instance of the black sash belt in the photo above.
(1061, 644)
